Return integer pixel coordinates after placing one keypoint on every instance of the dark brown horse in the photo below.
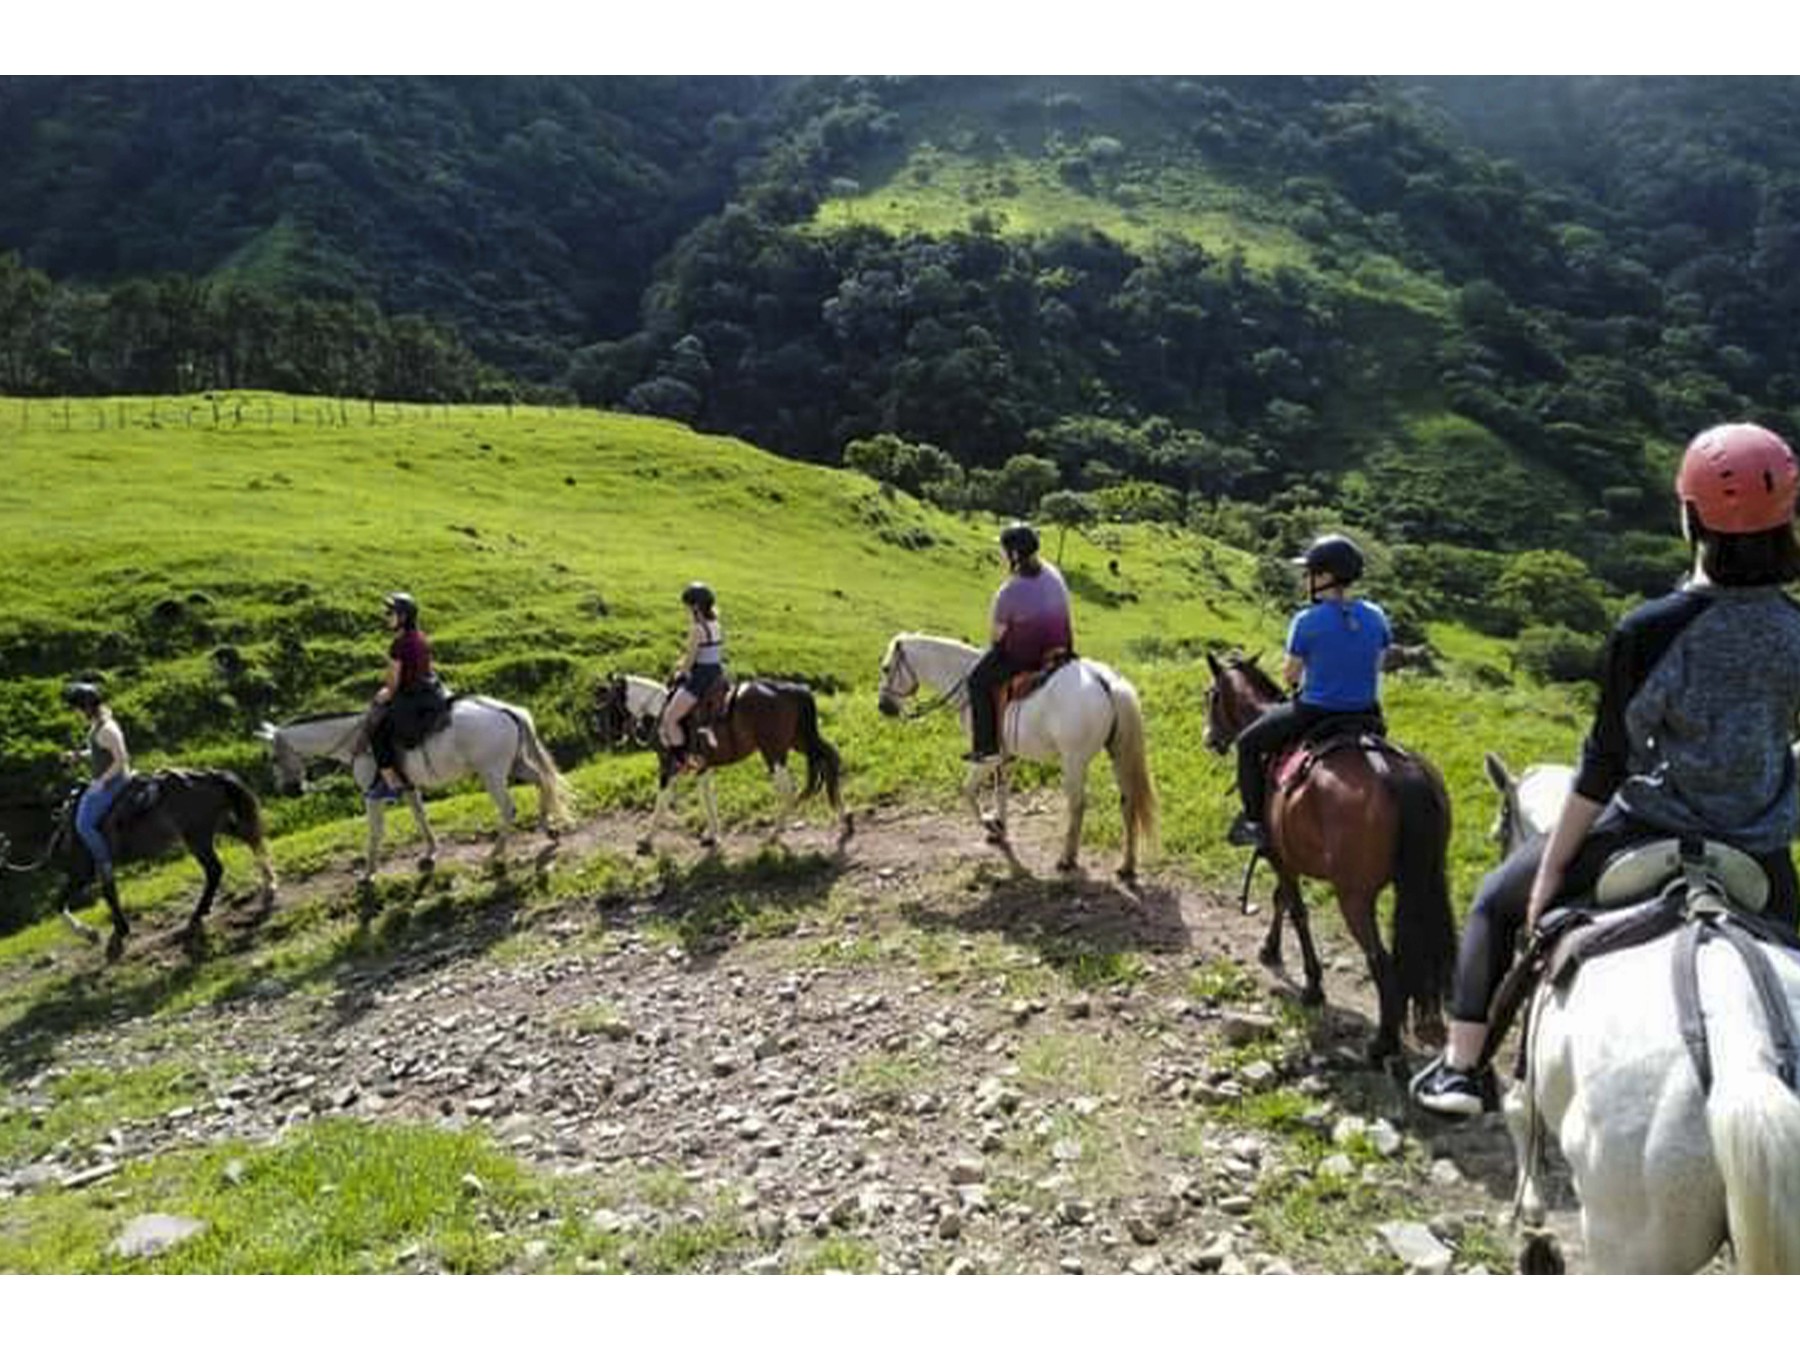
(1351, 826)
(154, 813)
(772, 718)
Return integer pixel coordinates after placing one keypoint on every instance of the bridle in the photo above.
(952, 694)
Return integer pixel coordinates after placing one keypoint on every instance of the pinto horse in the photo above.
(154, 813)
(1348, 825)
(772, 718)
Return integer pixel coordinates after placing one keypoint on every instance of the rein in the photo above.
(952, 694)
(56, 837)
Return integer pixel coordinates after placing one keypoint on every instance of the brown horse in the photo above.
(768, 717)
(1357, 829)
(153, 814)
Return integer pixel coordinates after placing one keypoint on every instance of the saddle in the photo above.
(424, 712)
(714, 706)
(140, 797)
(1017, 688)
(1367, 732)
(1702, 887)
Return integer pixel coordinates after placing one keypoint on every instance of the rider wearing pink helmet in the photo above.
(1698, 701)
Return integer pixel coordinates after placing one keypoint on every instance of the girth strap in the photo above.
(1763, 979)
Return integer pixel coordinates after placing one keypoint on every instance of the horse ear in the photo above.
(265, 732)
(1498, 774)
(1213, 664)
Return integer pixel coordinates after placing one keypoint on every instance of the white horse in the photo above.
(628, 709)
(1665, 1170)
(1079, 710)
(494, 741)
(1530, 803)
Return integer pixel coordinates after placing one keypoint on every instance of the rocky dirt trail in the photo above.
(908, 1042)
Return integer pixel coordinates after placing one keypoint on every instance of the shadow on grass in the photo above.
(402, 925)
(714, 901)
(1080, 925)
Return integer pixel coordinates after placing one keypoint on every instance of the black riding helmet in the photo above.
(1335, 555)
(698, 593)
(81, 694)
(1019, 539)
(405, 606)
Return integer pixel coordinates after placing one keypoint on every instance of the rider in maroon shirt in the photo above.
(410, 683)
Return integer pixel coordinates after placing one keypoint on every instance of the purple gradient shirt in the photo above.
(1035, 613)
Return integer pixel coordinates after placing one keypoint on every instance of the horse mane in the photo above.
(310, 718)
(1255, 674)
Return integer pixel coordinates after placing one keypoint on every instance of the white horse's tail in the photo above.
(553, 788)
(1131, 761)
(1755, 1124)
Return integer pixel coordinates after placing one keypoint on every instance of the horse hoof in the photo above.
(1381, 1050)
(707, 841)
(1128, 875)
(1541, 1255)
(1065, 866)
(1269, 957)
(428, 864)
(1312, 997)
(115, 947)
(643, 848)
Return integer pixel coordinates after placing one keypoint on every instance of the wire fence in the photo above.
(228, 410)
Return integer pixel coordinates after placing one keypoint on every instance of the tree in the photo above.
(1022, 483)
(1064, 509)
(1549, 587)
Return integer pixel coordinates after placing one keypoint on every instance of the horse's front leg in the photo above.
(709, 797)
(214, 871)
(1075, 808)
(377, 828)
(71, 891)
(115, 945)
(1522, 1121)
(665, 794)
(415, 798)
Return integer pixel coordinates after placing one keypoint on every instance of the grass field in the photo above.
(546, 548)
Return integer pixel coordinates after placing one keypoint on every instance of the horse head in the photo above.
(612, 715)
(1529, 803)
(899, 681)
(1240, 691)
(289, 765)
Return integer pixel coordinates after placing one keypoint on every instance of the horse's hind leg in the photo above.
(784, 797)
(1359, 916)
(115, 945)
(709, 797)
(503, 803)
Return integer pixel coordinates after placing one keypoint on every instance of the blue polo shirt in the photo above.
(1341, 642)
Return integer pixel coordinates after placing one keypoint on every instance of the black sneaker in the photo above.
(1247, 833)
(1447, 1091)
(982, 759)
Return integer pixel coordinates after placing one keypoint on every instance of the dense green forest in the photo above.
(1472, 317)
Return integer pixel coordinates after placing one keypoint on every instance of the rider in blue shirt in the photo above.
(1334, 649)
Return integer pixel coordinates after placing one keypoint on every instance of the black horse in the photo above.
(154, 813)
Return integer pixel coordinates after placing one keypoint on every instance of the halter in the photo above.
(952, 694)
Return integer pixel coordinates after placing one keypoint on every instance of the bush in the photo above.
(1554, 653)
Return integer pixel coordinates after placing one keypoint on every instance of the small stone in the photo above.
(1071, 1265)
(78, 1180)
(234, 1172)
(1213, 1255)
(723, 1066)
(1066, 1150)
(1417, 1249)
(1258, 1072)
(965, 1171)
(1072, 1212)
(762, 1265)
(1444, 1172)
(1348, 1130)
(151, 1234)
(473, 1185)
(949, 1225)
(1277, 1267)
(1386, 1139)
(1236, 1204)
(1142, 1230)
(1246, 1028)
(1337, 1166)
(1145, 1265)
(1079, 1007)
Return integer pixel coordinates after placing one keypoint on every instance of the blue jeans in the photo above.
(89, 812)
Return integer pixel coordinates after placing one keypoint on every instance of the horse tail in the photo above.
(1131, 760)
(1424, 932)
(1754, 1120)
(823, 763)
(553, 788)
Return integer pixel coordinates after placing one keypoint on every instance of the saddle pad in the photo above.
(1647, 868)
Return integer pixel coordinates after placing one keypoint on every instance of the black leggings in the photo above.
(993, 667)
(1279, 725)
(1505, 893)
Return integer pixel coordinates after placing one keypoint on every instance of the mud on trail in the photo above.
(907, 1052)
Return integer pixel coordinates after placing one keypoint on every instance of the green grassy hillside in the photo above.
(214, 574)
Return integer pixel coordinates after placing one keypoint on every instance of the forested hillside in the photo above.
(1467, 317)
